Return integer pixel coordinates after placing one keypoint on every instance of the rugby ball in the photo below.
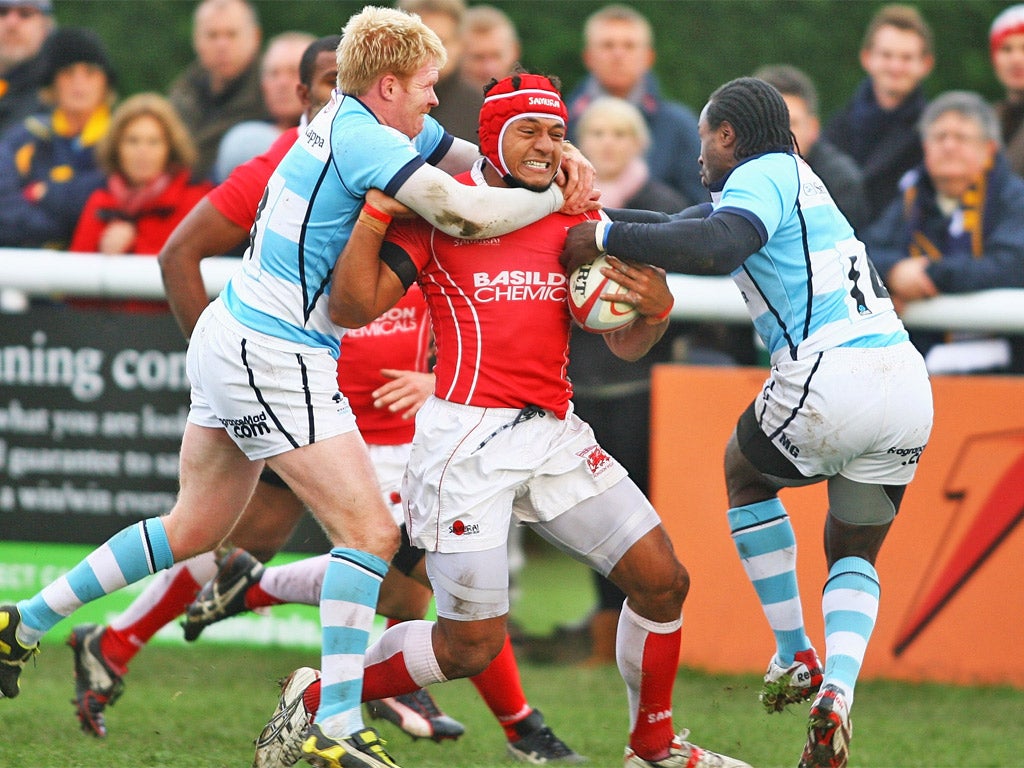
(588, 309)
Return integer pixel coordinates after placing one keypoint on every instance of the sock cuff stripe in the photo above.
(656, 627)
(853, 566)
(371, 564)
(156, 546)
(751, 515)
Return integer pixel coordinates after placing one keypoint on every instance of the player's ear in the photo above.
(726, 134)
(387, 85)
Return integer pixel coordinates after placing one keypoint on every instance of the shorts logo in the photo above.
(597, 460)
(909, 455)
(459, 528)
(248, 426)
(788, 445)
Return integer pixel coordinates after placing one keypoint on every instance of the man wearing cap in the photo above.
(499, 440)
(47, 163)
(24, 26)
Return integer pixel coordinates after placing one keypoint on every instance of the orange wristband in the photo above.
(655, 319)
(378, 215)
(371, 221)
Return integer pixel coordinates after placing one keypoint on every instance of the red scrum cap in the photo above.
(513, 97)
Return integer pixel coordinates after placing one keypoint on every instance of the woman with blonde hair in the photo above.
(614, 136)
(147, 155)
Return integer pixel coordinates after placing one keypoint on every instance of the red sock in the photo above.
(119, 646)
(653, 728)
(502, 691)
(311, 696)
(387, 678)
(257, 597)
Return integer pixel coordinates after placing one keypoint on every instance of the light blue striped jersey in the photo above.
(811, 287)
(307, 213)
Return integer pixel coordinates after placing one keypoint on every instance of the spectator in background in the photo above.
(612, 394)
(460, 102)
(839, 171)
(47, 162)
(490, 45)
(958, 226)
(618, 53)
(878, 126)
(147, 155)
(614, 137)
(279, 82)
(24, 26)
(222, 86)
(1006, 41)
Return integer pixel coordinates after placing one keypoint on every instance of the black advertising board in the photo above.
(92, 409)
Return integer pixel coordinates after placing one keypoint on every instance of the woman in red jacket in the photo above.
(147, 155)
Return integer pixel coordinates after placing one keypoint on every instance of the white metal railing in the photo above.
(56, 273)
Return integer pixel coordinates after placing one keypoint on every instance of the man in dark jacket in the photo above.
(222, 86)
(957, 227)
(24, 26)
(619, 53)
(878, 126)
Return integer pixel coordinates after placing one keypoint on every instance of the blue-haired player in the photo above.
(847, 401)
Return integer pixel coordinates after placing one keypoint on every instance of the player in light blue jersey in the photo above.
(262, 364)
(847, 401)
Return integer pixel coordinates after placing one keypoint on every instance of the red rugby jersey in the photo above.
(399, 338)
(238, 196)
(498, 309)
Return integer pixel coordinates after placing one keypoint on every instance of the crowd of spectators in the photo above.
(58, 87)
(68, 178)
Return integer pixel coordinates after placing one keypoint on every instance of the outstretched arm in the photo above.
(714, 245)
(474, 212)
(576, 176)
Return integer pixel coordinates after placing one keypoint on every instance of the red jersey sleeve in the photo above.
(239, 194)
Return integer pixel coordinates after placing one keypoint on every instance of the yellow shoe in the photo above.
(362, 749)
(13, 654)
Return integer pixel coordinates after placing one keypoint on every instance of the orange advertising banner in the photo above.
(951, 569)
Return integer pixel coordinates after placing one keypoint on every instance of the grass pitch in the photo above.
(200, 707)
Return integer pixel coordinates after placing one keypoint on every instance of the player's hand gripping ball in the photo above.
(588, 309)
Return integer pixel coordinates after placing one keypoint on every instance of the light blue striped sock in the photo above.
(129, 555)
(850, 606)
(347, 606)
(766, 545)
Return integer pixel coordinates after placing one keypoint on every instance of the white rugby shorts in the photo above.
(270, 395)
(470, 470)
(389, 462)
(864, 413)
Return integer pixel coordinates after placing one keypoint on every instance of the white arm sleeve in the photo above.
(460, 157)
(473, 212)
